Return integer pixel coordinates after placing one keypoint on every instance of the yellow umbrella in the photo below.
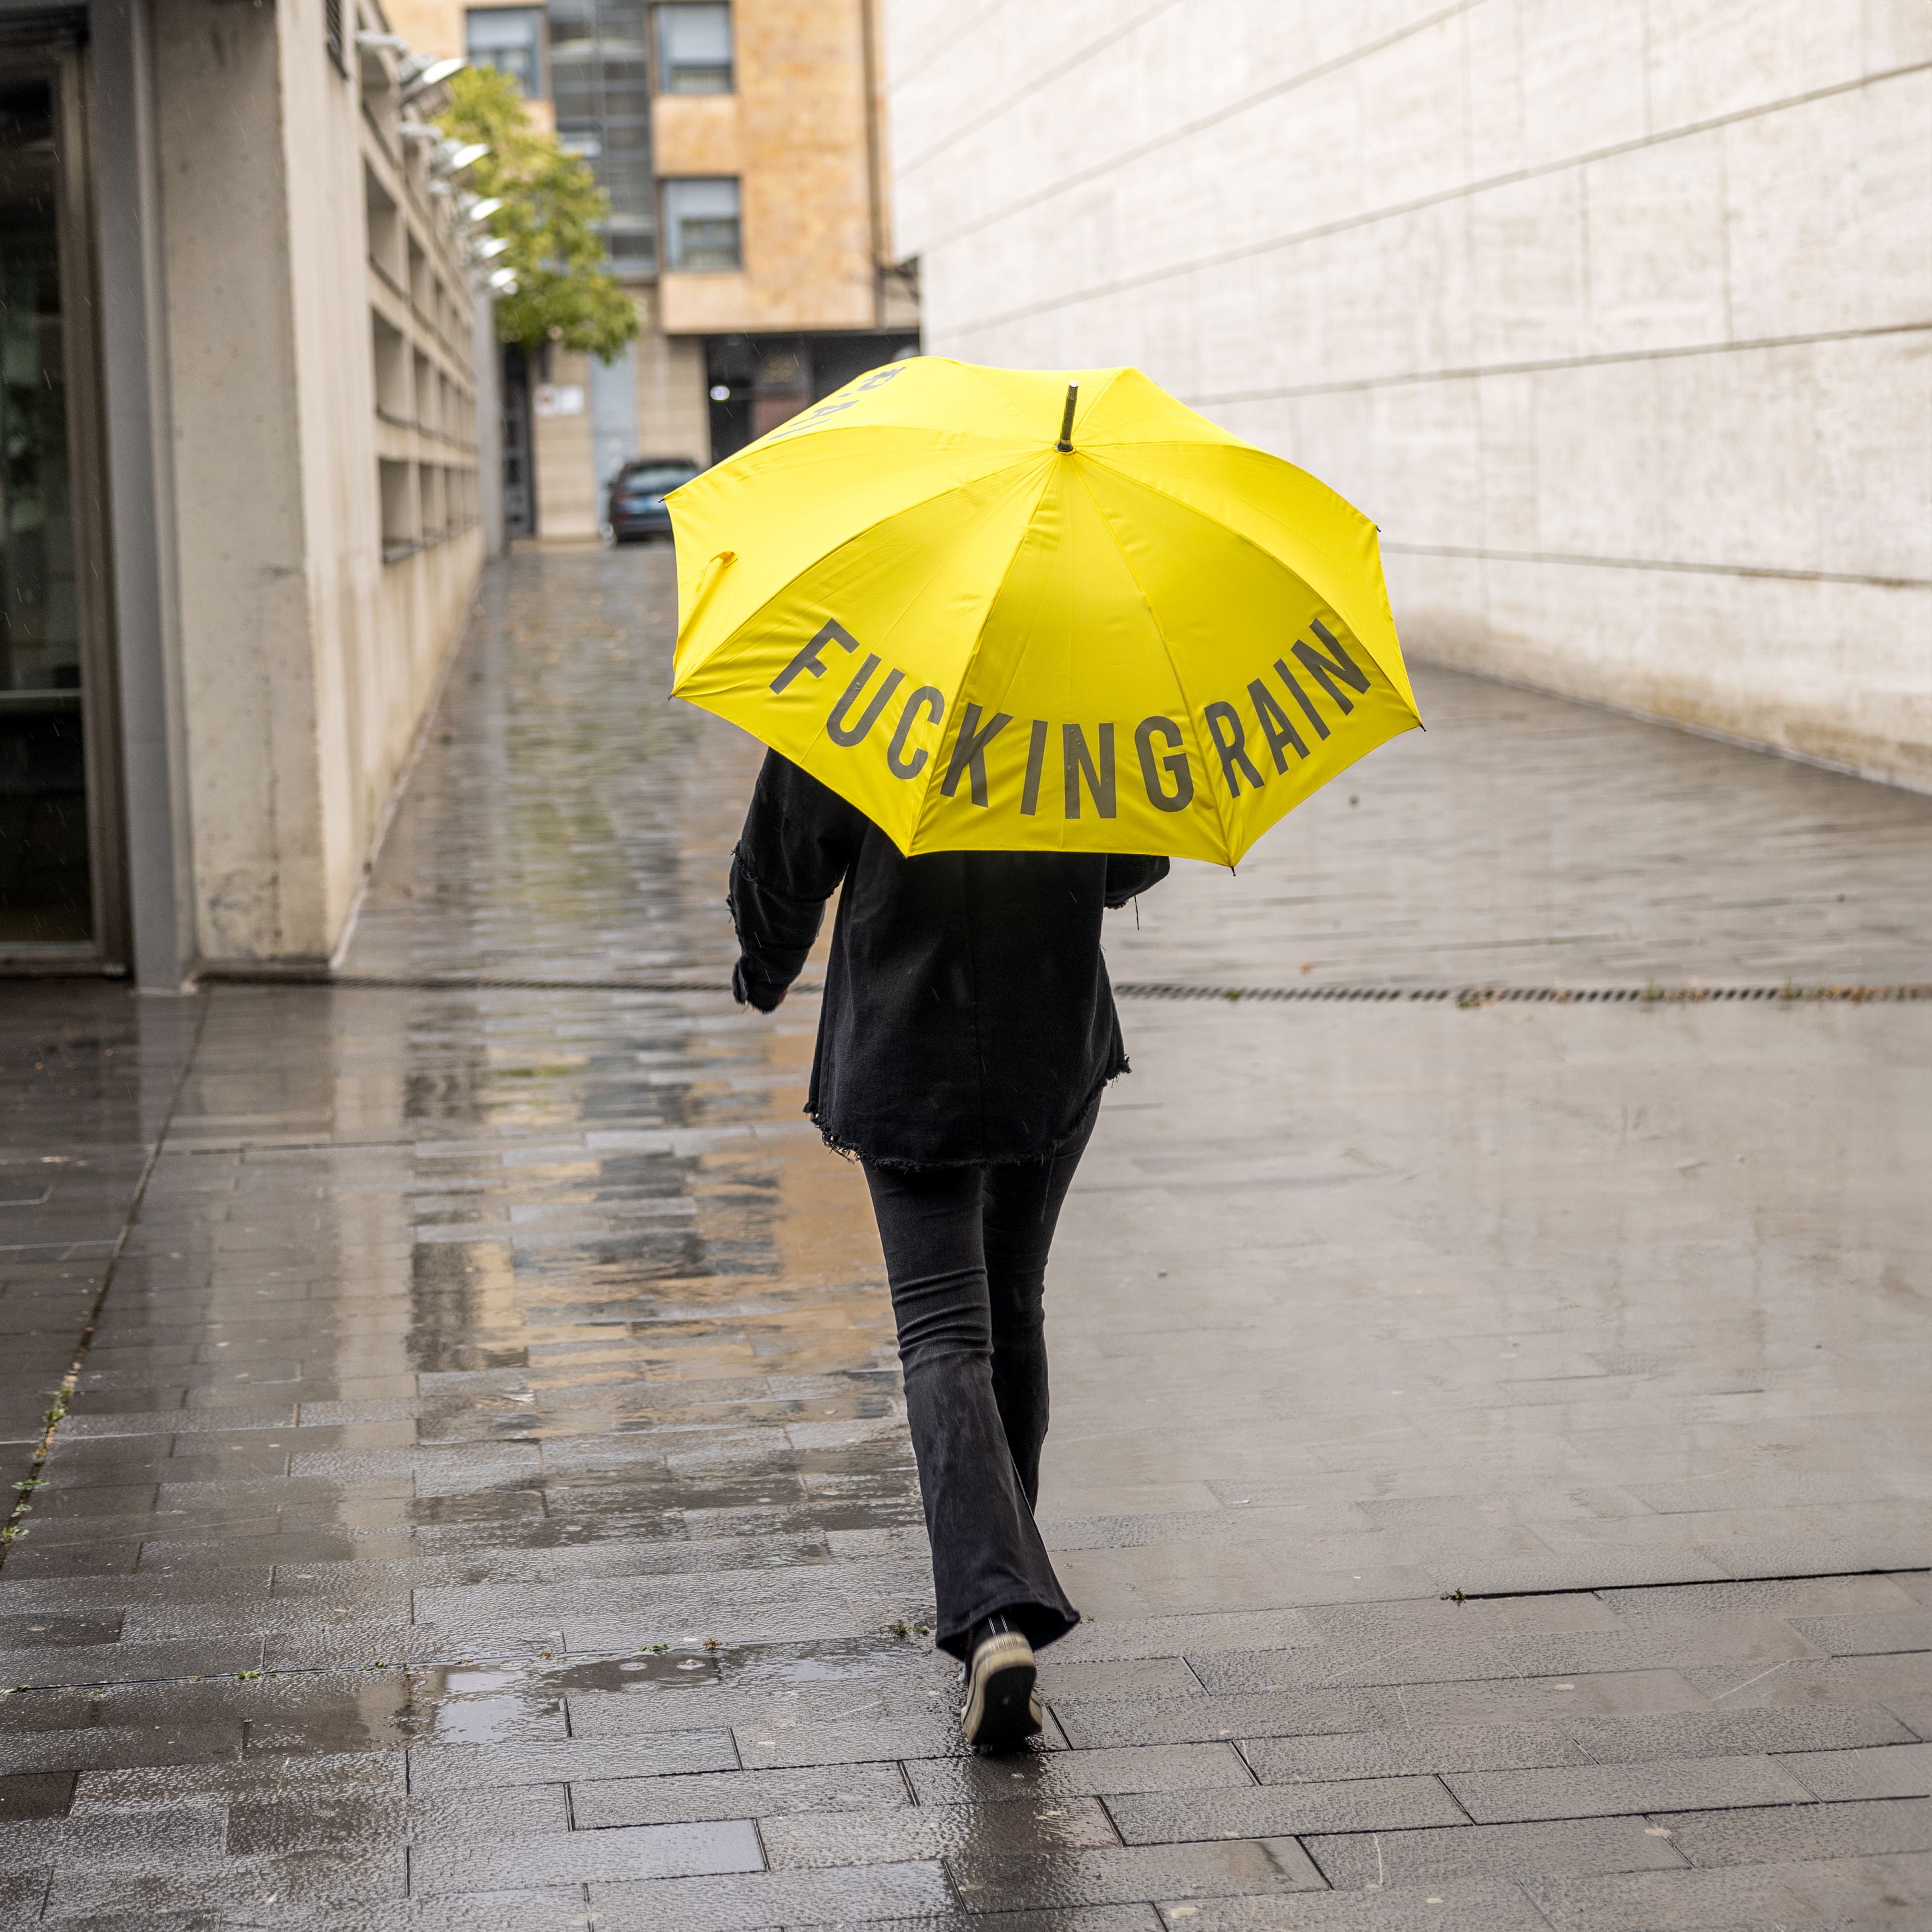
(997, 621)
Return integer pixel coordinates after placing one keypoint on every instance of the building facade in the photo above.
(1615, 314)
(244, 497)
(742, 147)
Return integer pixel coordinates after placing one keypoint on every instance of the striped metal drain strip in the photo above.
(1652, 994)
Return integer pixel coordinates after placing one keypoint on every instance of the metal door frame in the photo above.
(57, 54)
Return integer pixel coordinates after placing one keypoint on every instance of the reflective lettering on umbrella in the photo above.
(809, 659)
(927, 698)
(969, 753)
(1231, 739)
(836, 728)
(1076, 763)
(1174, 764)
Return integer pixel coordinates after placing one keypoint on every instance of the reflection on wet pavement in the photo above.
(485, 1499)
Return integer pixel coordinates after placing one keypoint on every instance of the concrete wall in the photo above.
(308, 660)
(1614, 314)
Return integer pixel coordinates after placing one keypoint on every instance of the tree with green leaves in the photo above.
(551, 206)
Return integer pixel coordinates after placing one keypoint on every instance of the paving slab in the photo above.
(1758, 1836)
(1352, 1861)
(904, 1832)
(496, 1360)
(1281, 1811)
(1495, 1905)
(1134, 1872)
(1888, 1895)
(597, 1802)
(1887, 1770)
(1397, 1752)
(1614, 1790)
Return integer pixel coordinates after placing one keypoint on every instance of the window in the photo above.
(510, 39)
(693, 49)
(701, 223)
(600, 86)
(331, 36)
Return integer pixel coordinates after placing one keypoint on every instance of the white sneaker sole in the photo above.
(1001, 1712)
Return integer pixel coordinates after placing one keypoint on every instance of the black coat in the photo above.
(967, 1014)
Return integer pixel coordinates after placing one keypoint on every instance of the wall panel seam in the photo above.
(1393, 211)
(1608, 358)
(1273, 91)
(1564, 557)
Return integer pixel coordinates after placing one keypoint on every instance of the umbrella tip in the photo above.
(1066, 418)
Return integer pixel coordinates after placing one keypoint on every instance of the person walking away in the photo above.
(968, 1030)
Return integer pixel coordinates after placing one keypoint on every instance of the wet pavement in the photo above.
(1489, 1444)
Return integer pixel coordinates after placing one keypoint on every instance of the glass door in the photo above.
(54, 783)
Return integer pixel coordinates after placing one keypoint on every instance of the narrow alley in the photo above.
(1490, 1426)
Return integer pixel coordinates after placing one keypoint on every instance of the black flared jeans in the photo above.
(966, 1251)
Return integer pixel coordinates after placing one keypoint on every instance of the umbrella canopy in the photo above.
(994, 628)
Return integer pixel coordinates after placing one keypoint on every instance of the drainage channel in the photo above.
(1652, 993)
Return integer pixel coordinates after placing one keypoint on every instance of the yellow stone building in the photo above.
(743, 148)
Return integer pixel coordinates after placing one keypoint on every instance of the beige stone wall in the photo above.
(673, 415)
(796, 133)
(1615, 316)
(568, 507)
(308, 658)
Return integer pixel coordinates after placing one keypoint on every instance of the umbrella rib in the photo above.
(979, 637)
(815, 562)
(1399, 681)
(1180, 683)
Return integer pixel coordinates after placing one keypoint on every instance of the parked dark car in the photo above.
(636, 511)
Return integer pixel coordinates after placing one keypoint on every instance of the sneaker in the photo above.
(1002, 1709)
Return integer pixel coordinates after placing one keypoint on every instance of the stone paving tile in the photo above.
(1838, 1680)
(1133, 1872)
(906, 1833)
(1867, 1635)
(628, 1852)
(966, 1780)
(1352, 1861)
(1491, 1906)
(1876, 1894)
(303, 1885)
(1784, 1597)
(1886, 1770)
(1913, 1711)
(1278, 1811)
(1728, 1733)
(279, 1823)
(595, 1802)
(1399, 1752)
(37, 1794)
(837, 1895)
(1857, 1829)
(1113, 1722)
(926, 1737)
(1076, 1919)
(447, 1767)
(1539, 1700)
(1610, 1790)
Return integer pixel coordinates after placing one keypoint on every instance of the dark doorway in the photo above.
(520, 468)
(758, 381)
(50, 791)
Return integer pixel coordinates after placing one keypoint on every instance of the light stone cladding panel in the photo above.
(1615, 314)
(312, 639)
